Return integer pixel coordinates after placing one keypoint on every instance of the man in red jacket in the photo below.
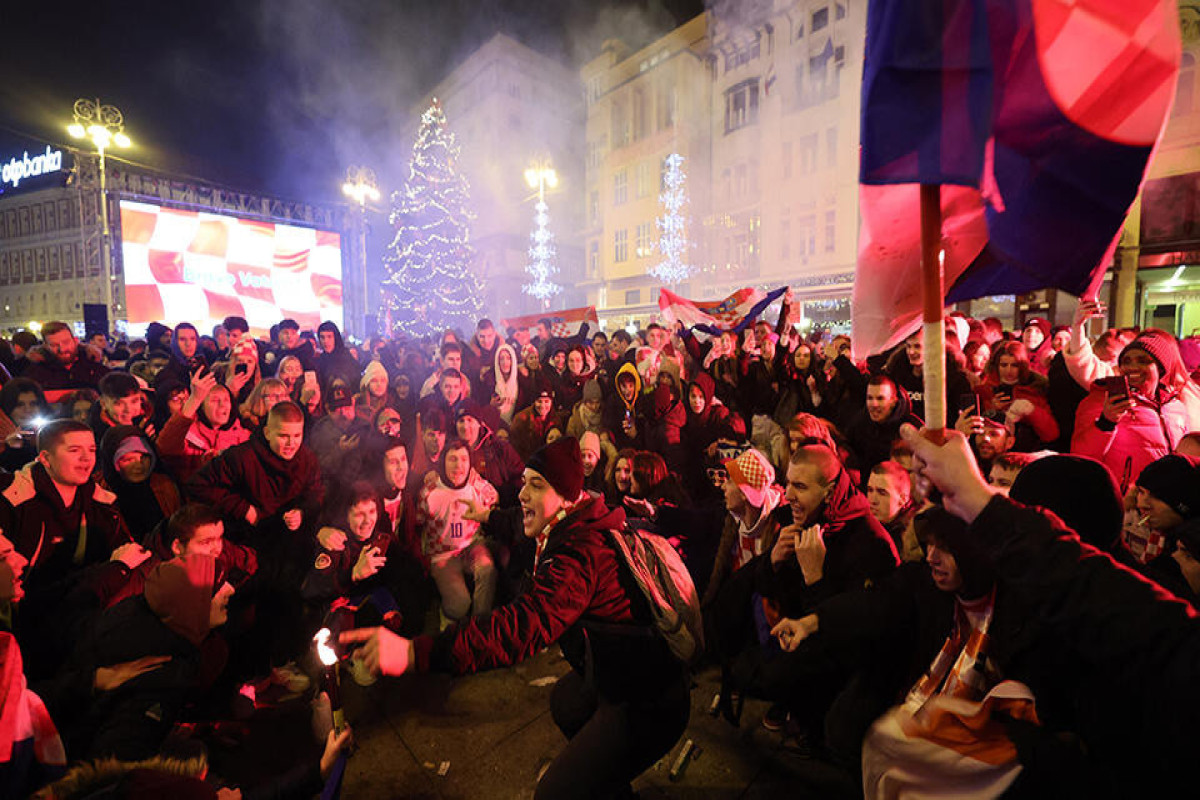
(626, 702)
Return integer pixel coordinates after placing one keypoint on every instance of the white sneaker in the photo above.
(290, 677)
(360, 674)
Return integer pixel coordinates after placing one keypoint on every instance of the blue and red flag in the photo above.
(1037, 118)
(715, 317)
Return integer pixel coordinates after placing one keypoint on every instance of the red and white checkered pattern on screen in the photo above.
(200, 267)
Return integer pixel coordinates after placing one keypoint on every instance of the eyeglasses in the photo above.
(718, 476)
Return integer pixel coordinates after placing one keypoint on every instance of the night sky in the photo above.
(276, 96)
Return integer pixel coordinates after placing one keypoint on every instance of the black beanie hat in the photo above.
(938, 525)
(561, 465)
(1080, 490)
(1175, 480)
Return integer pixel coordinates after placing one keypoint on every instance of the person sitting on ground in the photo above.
(349, 579)
(451, 544)
(184, 600)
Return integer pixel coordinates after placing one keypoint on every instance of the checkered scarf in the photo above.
(962, 668)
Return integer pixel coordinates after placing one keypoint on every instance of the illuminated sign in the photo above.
(17, 170)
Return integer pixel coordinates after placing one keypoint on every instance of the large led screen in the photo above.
(199, 267)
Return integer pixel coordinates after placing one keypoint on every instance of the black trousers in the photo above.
(610, 743)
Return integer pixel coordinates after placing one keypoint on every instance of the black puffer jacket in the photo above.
(578, 581)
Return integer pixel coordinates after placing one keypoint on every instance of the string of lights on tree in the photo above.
(541, 256)
(672, 225)
(429, 287)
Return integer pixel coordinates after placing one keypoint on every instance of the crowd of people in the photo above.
(1008, 609)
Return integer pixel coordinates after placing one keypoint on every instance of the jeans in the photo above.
(450, 577)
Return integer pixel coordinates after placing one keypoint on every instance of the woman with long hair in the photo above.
(1011, 387)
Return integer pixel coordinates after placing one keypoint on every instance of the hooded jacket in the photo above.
(143, 505)
(578, 581)
(713, 423)
(664, 434)
(858, 552)
(338, 364)
(497, 462)
(188, 443)
(616, 410)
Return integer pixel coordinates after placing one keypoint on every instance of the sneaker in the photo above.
(290, 677)
(360, 674)
(775, 718)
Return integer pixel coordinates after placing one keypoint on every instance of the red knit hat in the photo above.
(562, 467)
(1159, 345)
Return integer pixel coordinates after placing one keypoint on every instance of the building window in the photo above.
(821, 80)
(644, 243)
(641, 115)
(841, 11)
(743, 54)
(830, 231)
(594, 207)
(831, 147)
(633, 297)
(808, 236)
(820, 19)
(620, 125)
(621, 246)
(808, 154)
(665, 106)
(593, 259)
(785, 240)
(620, 188)
(741, 105)
(644, 179)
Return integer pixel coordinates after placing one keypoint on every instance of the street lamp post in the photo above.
(104, 125)
(361, 187)
(541, 176)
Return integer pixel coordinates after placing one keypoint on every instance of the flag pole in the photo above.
(934, 333)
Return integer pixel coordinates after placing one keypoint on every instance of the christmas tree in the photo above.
(429, 286)
(672, 225)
